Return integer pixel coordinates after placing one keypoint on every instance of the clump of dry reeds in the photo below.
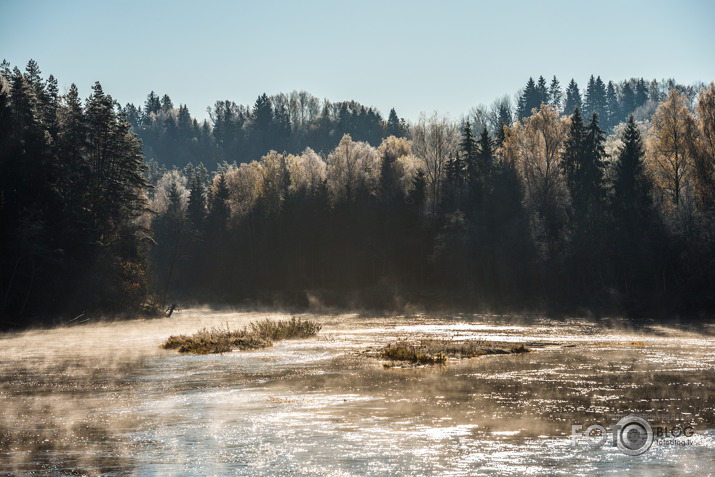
(256, 335)
(437, 351)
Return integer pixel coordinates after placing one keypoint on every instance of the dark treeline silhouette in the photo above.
(544, 220)
(72, 191)
(171, 137)
(547, 213)
(240, 133)
(614, 102)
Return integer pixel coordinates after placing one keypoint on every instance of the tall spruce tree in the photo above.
(542, 91)
(593, 168)
(631, 199)
(595, 98)
(573, 98)
(219, 208)
(628, 100)
(530, 99)
(504, 119)
(196, 208)
(468, 151)
(152, 105)
(583, 163)
(393, 124)
(634, 235)
(613, 109)
(166, 103)
(641, 93)
(573, 156)
(485, 157)
(555, 94)
(583, 167)
(417, 196)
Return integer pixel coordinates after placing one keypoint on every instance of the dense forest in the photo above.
(565, 202)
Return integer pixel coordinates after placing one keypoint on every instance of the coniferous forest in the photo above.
(563, 200)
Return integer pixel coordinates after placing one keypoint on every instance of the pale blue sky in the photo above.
(412, 55)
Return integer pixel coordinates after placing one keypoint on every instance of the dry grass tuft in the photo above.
(437, 351)
(257, 335)
(519, 348)
(404, 351)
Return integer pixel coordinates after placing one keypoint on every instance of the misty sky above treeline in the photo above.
(609, 207)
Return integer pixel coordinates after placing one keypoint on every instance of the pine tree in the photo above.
(542, 91)
(219, 209)
(166, 103)
(33, 77)
(485, 157)
(262, 118)
(152, 105)
(654, 91)
(468, 152)
(49, 112)
(503, 119)
(601, 108)
(418, 194)
(595, 99)
(29, 166)
(183, 123)
(196, 207)
(393, 125)
(116, 168)
(628, 101)
(634, 231)
(451, 197)
(589, 99)
(641, 93)
(555, 94)
(263, 126)
(202, 174)
(594, 166)
(135, 116)
(573, 156)
(29, 202)
(573, 98)
(631, 186)
(5, 69)
(71, 147)
(529, 100)
(24, 102)
(23, 168)
(612, 107)
(583, 166)
(170, 130)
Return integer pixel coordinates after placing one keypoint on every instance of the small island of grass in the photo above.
(438, 351)
(256, 335)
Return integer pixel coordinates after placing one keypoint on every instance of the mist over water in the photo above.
(105, 399)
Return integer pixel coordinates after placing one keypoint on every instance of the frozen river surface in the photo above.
(104, 399)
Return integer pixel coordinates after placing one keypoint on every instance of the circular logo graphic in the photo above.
(635, 435)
